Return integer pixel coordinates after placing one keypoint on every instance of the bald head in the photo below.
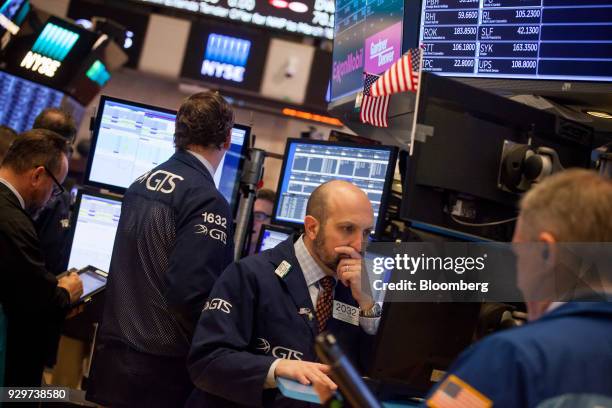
(57, 120)
(334, 195)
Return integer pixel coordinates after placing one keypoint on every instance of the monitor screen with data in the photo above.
(308, 164)
(270, 236)
(132, 138)
(94, 226)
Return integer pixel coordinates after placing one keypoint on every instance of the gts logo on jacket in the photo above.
(264, 346)
(218, 304)
(161, 180)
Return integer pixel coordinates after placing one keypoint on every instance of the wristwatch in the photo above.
(374, 311)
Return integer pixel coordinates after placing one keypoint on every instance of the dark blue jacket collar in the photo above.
(294, 280)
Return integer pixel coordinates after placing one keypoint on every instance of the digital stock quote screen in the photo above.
(528, 39)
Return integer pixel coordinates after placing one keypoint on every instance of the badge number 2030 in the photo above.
(216, 219)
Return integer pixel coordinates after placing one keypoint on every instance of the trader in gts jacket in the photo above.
(264, 312)
(173, 240)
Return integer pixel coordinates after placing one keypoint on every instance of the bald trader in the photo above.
(264, 312)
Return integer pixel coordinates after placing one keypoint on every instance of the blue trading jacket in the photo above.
(173, 240)
(251, 319)
(566, 352)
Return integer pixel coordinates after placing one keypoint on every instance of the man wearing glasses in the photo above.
(262, 213)
(34, 301)
(52, 222)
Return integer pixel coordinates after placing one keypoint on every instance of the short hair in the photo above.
(58, 121)
(573, 205)
(36, 147)
(266, 194)
(7, 136)
(204, 119)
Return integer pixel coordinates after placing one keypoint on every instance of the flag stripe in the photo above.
(402, 76)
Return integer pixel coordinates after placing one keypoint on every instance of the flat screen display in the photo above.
(313, 18)
(522, 39)
(94, 226)
(307, 165)
(22, 100)
(367, 37)
(271, 236)
(221, 55)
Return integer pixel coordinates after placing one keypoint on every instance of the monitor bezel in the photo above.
(94, 139)
(243, 153)
(271, 227)
(380, 224)
(75, 214)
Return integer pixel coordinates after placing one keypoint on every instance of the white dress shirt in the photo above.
(205, 162)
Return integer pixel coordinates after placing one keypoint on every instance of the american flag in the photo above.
(402, 76)
(373, 110)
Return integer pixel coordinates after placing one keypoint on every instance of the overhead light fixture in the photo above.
(328, 120)
(279, 3)
(599, 114)
(298, 7)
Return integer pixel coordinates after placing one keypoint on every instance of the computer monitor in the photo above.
(559, 41)
(94, 226)
(309, 163)
(416, 343)
(131, 138)
(452, 180)
(270, 236)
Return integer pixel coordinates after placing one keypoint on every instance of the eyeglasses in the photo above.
(58, 189)
(261, 216)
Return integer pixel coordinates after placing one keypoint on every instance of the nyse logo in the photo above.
(226, 57)
(49, 50)
(41, 64)
(286, 353)
(225, 71)
(161, 180)
(218, 304)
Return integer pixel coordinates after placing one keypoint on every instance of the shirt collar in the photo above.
(554, 305)
(310, 268)
(205, 162)
(14, 190)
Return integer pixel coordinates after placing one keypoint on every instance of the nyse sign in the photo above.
(225, 57)
(41, 64)
(220, 70)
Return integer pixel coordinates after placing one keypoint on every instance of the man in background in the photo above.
(7, 136)
(53, 221)
(262, 214)
(34, 301)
